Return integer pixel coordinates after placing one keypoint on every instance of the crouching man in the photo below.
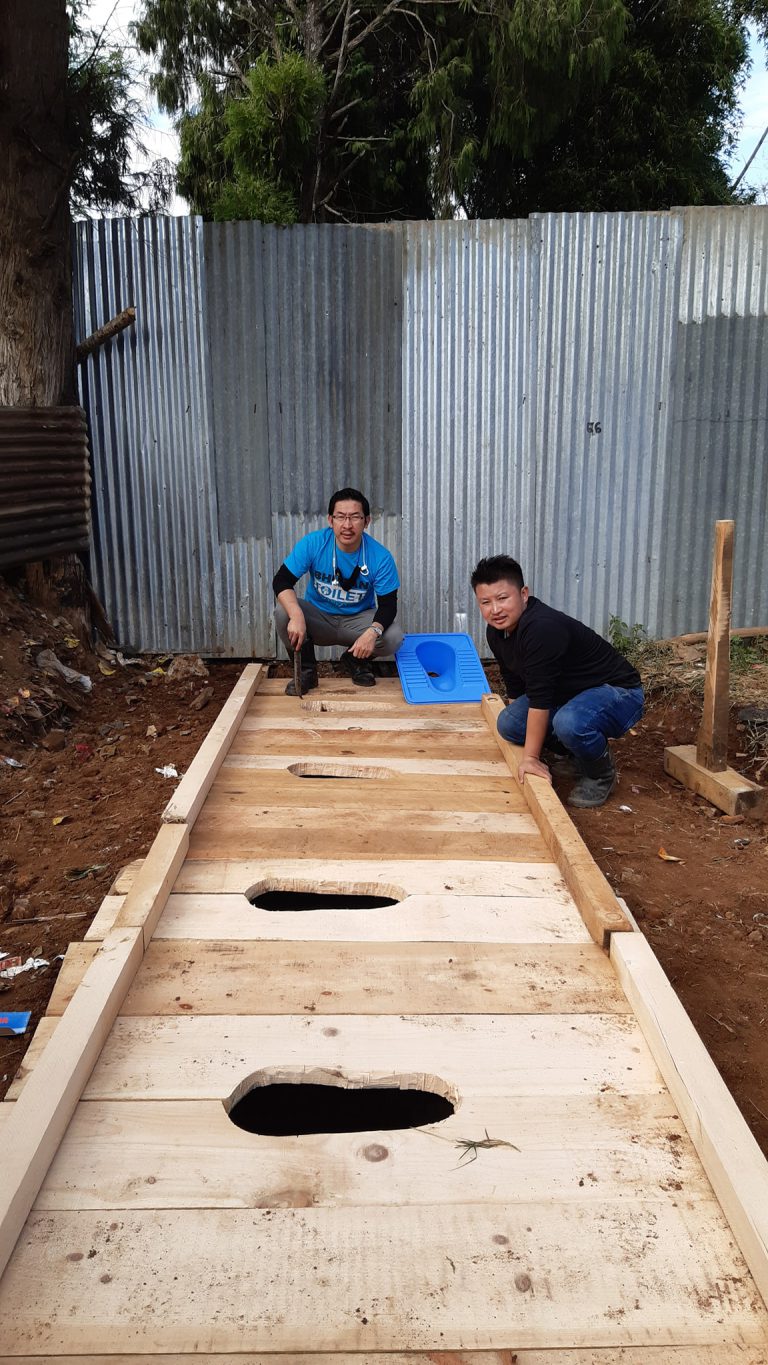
(569, 690)
(351, 596)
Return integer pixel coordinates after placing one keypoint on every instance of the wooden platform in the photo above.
(595, 1198)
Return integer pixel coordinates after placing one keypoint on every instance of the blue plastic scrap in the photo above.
(435, 669)
(12, 1024)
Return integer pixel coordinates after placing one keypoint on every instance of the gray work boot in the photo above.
(596, 784)
(308, 671)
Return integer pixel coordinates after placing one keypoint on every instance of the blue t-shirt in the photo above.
(314, 555)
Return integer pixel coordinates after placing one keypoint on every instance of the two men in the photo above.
(351, 596)
(570, 691)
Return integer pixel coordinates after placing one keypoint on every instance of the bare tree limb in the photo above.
(110, 329)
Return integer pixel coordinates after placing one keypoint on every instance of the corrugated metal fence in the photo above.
(586, 392)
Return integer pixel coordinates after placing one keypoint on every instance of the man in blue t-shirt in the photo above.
(351, 596)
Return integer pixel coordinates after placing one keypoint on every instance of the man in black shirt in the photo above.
(569, 690)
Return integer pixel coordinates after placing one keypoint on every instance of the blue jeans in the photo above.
(585, 723)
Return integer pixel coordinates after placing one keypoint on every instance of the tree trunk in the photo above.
(37, 363)
(36, 343)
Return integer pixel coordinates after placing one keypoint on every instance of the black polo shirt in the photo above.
(550, 657)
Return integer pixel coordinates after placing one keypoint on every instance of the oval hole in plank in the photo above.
(336, 770)
(290, 1103)
(271, 895)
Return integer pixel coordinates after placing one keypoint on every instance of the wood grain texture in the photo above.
(157, 1154)
(730, 1156)
(182, 977)
(208, 1057)
(41, 1113)
(365, 832)
(728, 790)
(104, 918)
(248, 788)
(385, 763)
(723, 1354)
(187, 800)
(309, 742)
(152, 884)
(602, 913)
(712, 739)
(561, 1275)
(373, 877)
(417, 919)
(350, 723)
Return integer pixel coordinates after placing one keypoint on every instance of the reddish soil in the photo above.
(706, 915)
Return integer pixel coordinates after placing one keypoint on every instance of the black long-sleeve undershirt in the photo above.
(386, 605)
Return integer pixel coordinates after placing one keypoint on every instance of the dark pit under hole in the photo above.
(318, 900)
(292, 1109)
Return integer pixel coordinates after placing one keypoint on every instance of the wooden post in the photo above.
(712, 742)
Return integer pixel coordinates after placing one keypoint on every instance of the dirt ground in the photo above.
(88, 798)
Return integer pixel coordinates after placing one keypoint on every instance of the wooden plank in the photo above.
(730, 1156)
(381, 766)
(181, 976)
(368, 833)
(209, 1056)
(722, 1354)
(155, 1154)
(144, 902)
(371, 877)
(104, 918)
(728, 790)
(77, 960)
(244, 789)
(387, 689)
(46, 1103)
(318, 743)
(34, 1052)
(561, 1275)
(125, 878)
(425, 919)
(217, 819)
(191, 792)
(602, 913)
(348, 723)
(364, 705)
(712, 739)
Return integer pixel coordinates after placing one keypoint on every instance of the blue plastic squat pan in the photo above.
(435, 669)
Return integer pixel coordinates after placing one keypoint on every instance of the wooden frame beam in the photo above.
(594, 898)
(727, 1150)
(184, 806)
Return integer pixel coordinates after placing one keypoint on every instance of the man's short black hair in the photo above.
(496, 568)
(349, 495)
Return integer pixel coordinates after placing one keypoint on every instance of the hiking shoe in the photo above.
(359, 670)
(308, 681)
(596, 784)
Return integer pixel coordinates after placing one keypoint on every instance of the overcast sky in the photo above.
(161, 140)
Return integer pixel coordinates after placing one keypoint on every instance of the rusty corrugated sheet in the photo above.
(45, 483)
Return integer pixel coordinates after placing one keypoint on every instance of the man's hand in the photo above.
(364, 644)
(297, 629)
(533, 767)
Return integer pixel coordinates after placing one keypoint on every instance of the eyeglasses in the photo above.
(354, 517)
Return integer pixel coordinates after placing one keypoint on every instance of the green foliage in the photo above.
(631, 641)
(493, 107)
(104, 117)
(746, 652)
(269, 136)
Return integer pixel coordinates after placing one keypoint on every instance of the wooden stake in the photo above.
(712, 742)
